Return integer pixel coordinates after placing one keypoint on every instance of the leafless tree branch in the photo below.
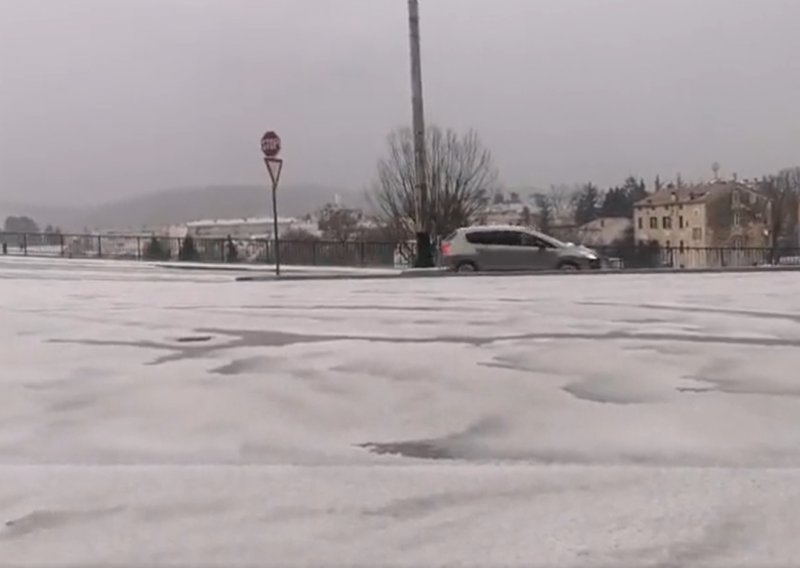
(461, 176)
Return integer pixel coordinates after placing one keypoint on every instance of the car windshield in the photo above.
(552, 240)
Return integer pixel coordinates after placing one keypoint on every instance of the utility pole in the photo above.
(424, 252)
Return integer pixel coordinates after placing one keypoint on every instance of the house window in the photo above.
(669, 244)
(641, 222)
(666, 222)
(654, 222)
(737, 220)
(681, 246)
(680, 222)
(697, 234)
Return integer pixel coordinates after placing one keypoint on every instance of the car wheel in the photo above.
(569, 267)
(466, 267)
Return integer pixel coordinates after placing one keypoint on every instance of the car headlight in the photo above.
(591, 256)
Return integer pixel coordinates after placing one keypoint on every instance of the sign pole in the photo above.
(275, 166)
(421, 204)
(271, 147)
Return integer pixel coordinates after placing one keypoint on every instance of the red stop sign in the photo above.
(271, 144)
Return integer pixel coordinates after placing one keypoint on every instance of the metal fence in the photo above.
(153, 248)
(648, 256)
(360, 253)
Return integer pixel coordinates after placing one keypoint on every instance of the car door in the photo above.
(495, 249)
(520, 253)
(538, 254)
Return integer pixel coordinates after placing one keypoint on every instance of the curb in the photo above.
(449, 274)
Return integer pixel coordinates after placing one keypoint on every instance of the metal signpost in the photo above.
(271, 147)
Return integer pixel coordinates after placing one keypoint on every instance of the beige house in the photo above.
(693, 224)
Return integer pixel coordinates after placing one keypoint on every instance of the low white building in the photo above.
(247, 228)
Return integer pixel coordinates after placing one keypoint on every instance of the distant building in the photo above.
(604, 231)
(507, 214)
(720, 214)
(247, 228)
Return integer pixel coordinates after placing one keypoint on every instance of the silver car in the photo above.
(512, 248)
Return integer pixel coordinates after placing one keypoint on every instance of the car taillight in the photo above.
(447, 249)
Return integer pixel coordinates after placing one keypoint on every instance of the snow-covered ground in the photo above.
(152, 416)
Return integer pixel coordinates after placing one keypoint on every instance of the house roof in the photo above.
(242, 221)
(691, 195)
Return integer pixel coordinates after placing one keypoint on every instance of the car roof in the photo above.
(481, 228)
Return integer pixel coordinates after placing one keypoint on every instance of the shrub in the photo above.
(156, 250)
(188, 250)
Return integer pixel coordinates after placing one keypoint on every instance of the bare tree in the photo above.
(544, 216)
(296, 234)
(338, 223)
(526, 218)
(461, 177)
(562, 202)
(783, 192)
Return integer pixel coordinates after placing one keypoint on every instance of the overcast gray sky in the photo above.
(101, 99)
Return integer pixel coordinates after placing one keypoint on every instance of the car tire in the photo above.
(568, 267)
(466, 267)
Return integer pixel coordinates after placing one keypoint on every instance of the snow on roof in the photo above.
(242, 221)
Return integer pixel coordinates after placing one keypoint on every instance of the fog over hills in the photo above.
(180, 205)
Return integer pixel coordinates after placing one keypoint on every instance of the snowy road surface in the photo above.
(160, 417)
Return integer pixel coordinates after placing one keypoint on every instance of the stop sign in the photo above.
(271, 144)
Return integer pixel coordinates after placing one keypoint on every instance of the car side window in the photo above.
(507, 238)
(498, 238)
(479, 237)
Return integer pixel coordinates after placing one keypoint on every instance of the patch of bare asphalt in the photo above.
(436, 448)
(701, 309)
(241, 366)
(468, 446)
(49, 520)
(591, 391)
(642, 321)
(420, 449)
(734, 387)
(434, 503)
(195, 339)
(316, 307)
(719, 539)
(252, 338)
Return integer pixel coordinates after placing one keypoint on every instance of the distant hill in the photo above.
(43, 214)
(186, 204)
